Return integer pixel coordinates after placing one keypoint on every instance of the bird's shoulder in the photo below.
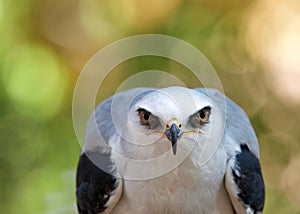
(98, 187)
(244, 181)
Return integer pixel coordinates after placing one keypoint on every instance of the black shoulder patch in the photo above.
(94, 184)
(248, 178)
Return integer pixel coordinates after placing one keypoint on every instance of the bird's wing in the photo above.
(98, 183)
(243, 179)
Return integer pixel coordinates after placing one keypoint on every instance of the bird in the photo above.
(169, 150)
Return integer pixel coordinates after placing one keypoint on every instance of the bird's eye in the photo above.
(204, 114)
(144, 117)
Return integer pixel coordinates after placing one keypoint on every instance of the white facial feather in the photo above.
(174, 103)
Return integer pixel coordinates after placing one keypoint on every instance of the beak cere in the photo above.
(173, 133)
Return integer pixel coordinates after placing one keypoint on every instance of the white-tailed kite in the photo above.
(170, 150)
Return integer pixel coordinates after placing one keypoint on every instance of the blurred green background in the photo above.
(253, 45)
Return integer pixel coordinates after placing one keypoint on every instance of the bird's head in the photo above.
(171, 114)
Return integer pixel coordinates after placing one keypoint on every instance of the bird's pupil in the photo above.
(202, 114)
(146, 116)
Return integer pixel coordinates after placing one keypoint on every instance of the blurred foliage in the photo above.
(253, 45)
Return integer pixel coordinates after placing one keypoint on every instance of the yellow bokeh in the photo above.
(34, 80)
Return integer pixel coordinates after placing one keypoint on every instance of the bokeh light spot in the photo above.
(34, 80)
(277, 46)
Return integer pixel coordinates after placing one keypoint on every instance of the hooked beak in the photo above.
(173, 133)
